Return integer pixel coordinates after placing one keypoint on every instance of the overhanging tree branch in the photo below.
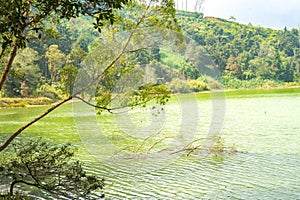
(17, 16)
(92, 82)
(21, 129)
(12, 185)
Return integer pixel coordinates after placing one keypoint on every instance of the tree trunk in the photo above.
(14, 50)
(12, 185)
(8, 65)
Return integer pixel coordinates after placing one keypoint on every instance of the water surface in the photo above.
(263, 126)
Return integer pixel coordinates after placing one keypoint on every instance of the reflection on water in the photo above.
(264, 128)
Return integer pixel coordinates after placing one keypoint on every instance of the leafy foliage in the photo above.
(179, 86)
(49, 168)
(130, 45)
(25, 76)
(55, 61)
(22, 21)
(19, 16)
(67, 78)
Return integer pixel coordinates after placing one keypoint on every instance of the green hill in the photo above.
(216, 51)
(245, 52)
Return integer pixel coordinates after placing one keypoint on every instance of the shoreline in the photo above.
(8, 102)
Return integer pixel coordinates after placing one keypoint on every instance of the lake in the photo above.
(140, 152)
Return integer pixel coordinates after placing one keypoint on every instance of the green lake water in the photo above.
(137, 152)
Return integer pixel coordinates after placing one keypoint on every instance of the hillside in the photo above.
(216, 52)
(245, 52)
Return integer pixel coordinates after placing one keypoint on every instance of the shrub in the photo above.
(179, 86)
(23, 102)
(198, 85)
(49, 91)
(211, 82)
(231, 82)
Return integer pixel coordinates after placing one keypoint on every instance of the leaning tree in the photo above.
(143, 21)
(26, 19)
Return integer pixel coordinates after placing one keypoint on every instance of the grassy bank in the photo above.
(26, 102)
(233, 93)
(23, 102)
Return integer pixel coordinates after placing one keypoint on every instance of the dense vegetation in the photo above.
(245, 54)
(242, 56)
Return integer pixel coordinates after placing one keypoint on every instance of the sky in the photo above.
(266, 13)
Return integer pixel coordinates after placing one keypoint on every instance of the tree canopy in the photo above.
(23, 19)
(245, 52)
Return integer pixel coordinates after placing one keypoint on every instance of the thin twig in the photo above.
(156, 143)
(145, 140)
(93, 105)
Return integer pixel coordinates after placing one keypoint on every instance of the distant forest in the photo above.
(245, 52)
(217, 53)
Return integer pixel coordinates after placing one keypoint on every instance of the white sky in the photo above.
(267, 13)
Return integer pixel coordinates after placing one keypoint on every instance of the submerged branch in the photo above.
(156, 143)
(217, 148)
(146, 139)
